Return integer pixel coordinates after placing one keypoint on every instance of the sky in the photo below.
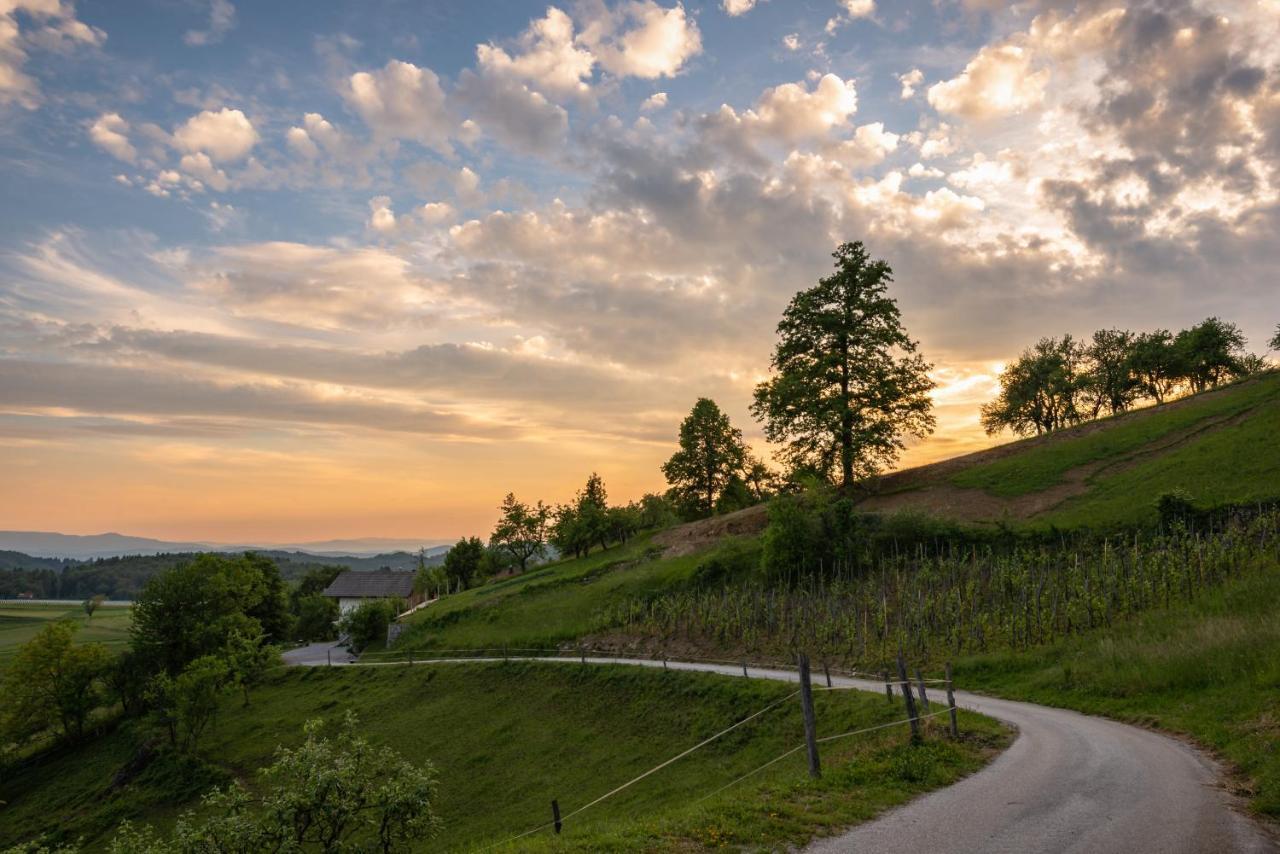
(288, 271)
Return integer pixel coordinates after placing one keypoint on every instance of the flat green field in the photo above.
(507, 738)
(19, 622)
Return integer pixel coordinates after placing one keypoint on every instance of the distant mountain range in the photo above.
(83, 547)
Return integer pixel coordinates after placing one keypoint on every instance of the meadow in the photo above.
(506, 738)
(19, 622)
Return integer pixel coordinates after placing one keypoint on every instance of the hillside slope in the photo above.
(1219, 446)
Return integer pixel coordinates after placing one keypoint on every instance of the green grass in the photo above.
(1238, 464)
(19, 623)
(507, 738)
(1044, 464)
(553, 604)
(1209, 669)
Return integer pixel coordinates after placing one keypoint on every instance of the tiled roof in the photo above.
(375, 584)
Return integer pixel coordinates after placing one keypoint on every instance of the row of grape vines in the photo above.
(952, 602)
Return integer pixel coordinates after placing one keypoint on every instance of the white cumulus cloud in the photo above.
(225, 135)
(111, 133)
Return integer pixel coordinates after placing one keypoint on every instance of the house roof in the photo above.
(371, 584)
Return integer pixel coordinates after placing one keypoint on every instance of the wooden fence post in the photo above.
(328, 656)
(951, 703)
(582, 654)
(911, 702)
(810, 725)
(826, 669)
(744, 667)
(888, 686)
(664, 662)
(555, 813)
(924, 695)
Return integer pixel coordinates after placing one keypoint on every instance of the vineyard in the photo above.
(950, 601)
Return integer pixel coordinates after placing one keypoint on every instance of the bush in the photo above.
(367, 623)
(1175, 506)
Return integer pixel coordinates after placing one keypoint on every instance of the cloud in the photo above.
(201, 167)
(222, 19)
(641, 38)
(381, 218)
(858, 8)
(512, 113)
(734, 8)
(870, 144)
(315, 286)
(225, 136)
(910, 81)
(56, 29)
(791, 112)
(791, 41)
(116, 390)
(548, 57)
(111, 133)
(998, 81)
(402, 101)
(656, 101)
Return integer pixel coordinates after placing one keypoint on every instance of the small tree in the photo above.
(1111, 384)
(1274, 343)
(1040, 391)
(92, 604)
(53, 683)
(367, 623)
(521, 532)
(316, 615)
(185, 705)
(848, 387)
(1210, 352)
(332, 795)
(462, 562)
(1155, 364)
(711, 452)
(249, 658)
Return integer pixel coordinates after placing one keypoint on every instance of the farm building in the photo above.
(353, 587)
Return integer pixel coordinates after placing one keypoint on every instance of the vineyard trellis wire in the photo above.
(954, 601)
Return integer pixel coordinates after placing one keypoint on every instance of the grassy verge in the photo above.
(1209, 669)
(507, 738)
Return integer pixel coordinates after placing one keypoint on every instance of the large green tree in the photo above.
(53, 683)
(1210, 352)
(189, 611)
(1040, 391)
(1111, 385)
(848, 385)
(711, 453)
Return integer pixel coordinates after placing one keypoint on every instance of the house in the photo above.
(354, 586)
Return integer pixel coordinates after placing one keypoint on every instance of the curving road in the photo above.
(1068, 783)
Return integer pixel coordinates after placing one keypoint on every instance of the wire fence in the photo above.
(906, 687)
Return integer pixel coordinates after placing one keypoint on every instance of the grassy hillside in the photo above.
(507, 738)
(19, 623)
(1209, 669)
(1218, 446)
(553, 604)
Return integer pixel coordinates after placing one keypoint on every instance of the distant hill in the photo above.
(123, 576)
(1219, 447)
(84, 547)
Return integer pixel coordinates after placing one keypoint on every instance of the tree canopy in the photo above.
(848, 385)
(521, 531)
(1040, 391)
(711, 454)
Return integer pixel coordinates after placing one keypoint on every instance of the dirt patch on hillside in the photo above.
(696, 536)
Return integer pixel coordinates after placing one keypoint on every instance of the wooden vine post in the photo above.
(905, 684)
(951, 704)
(810, 724)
